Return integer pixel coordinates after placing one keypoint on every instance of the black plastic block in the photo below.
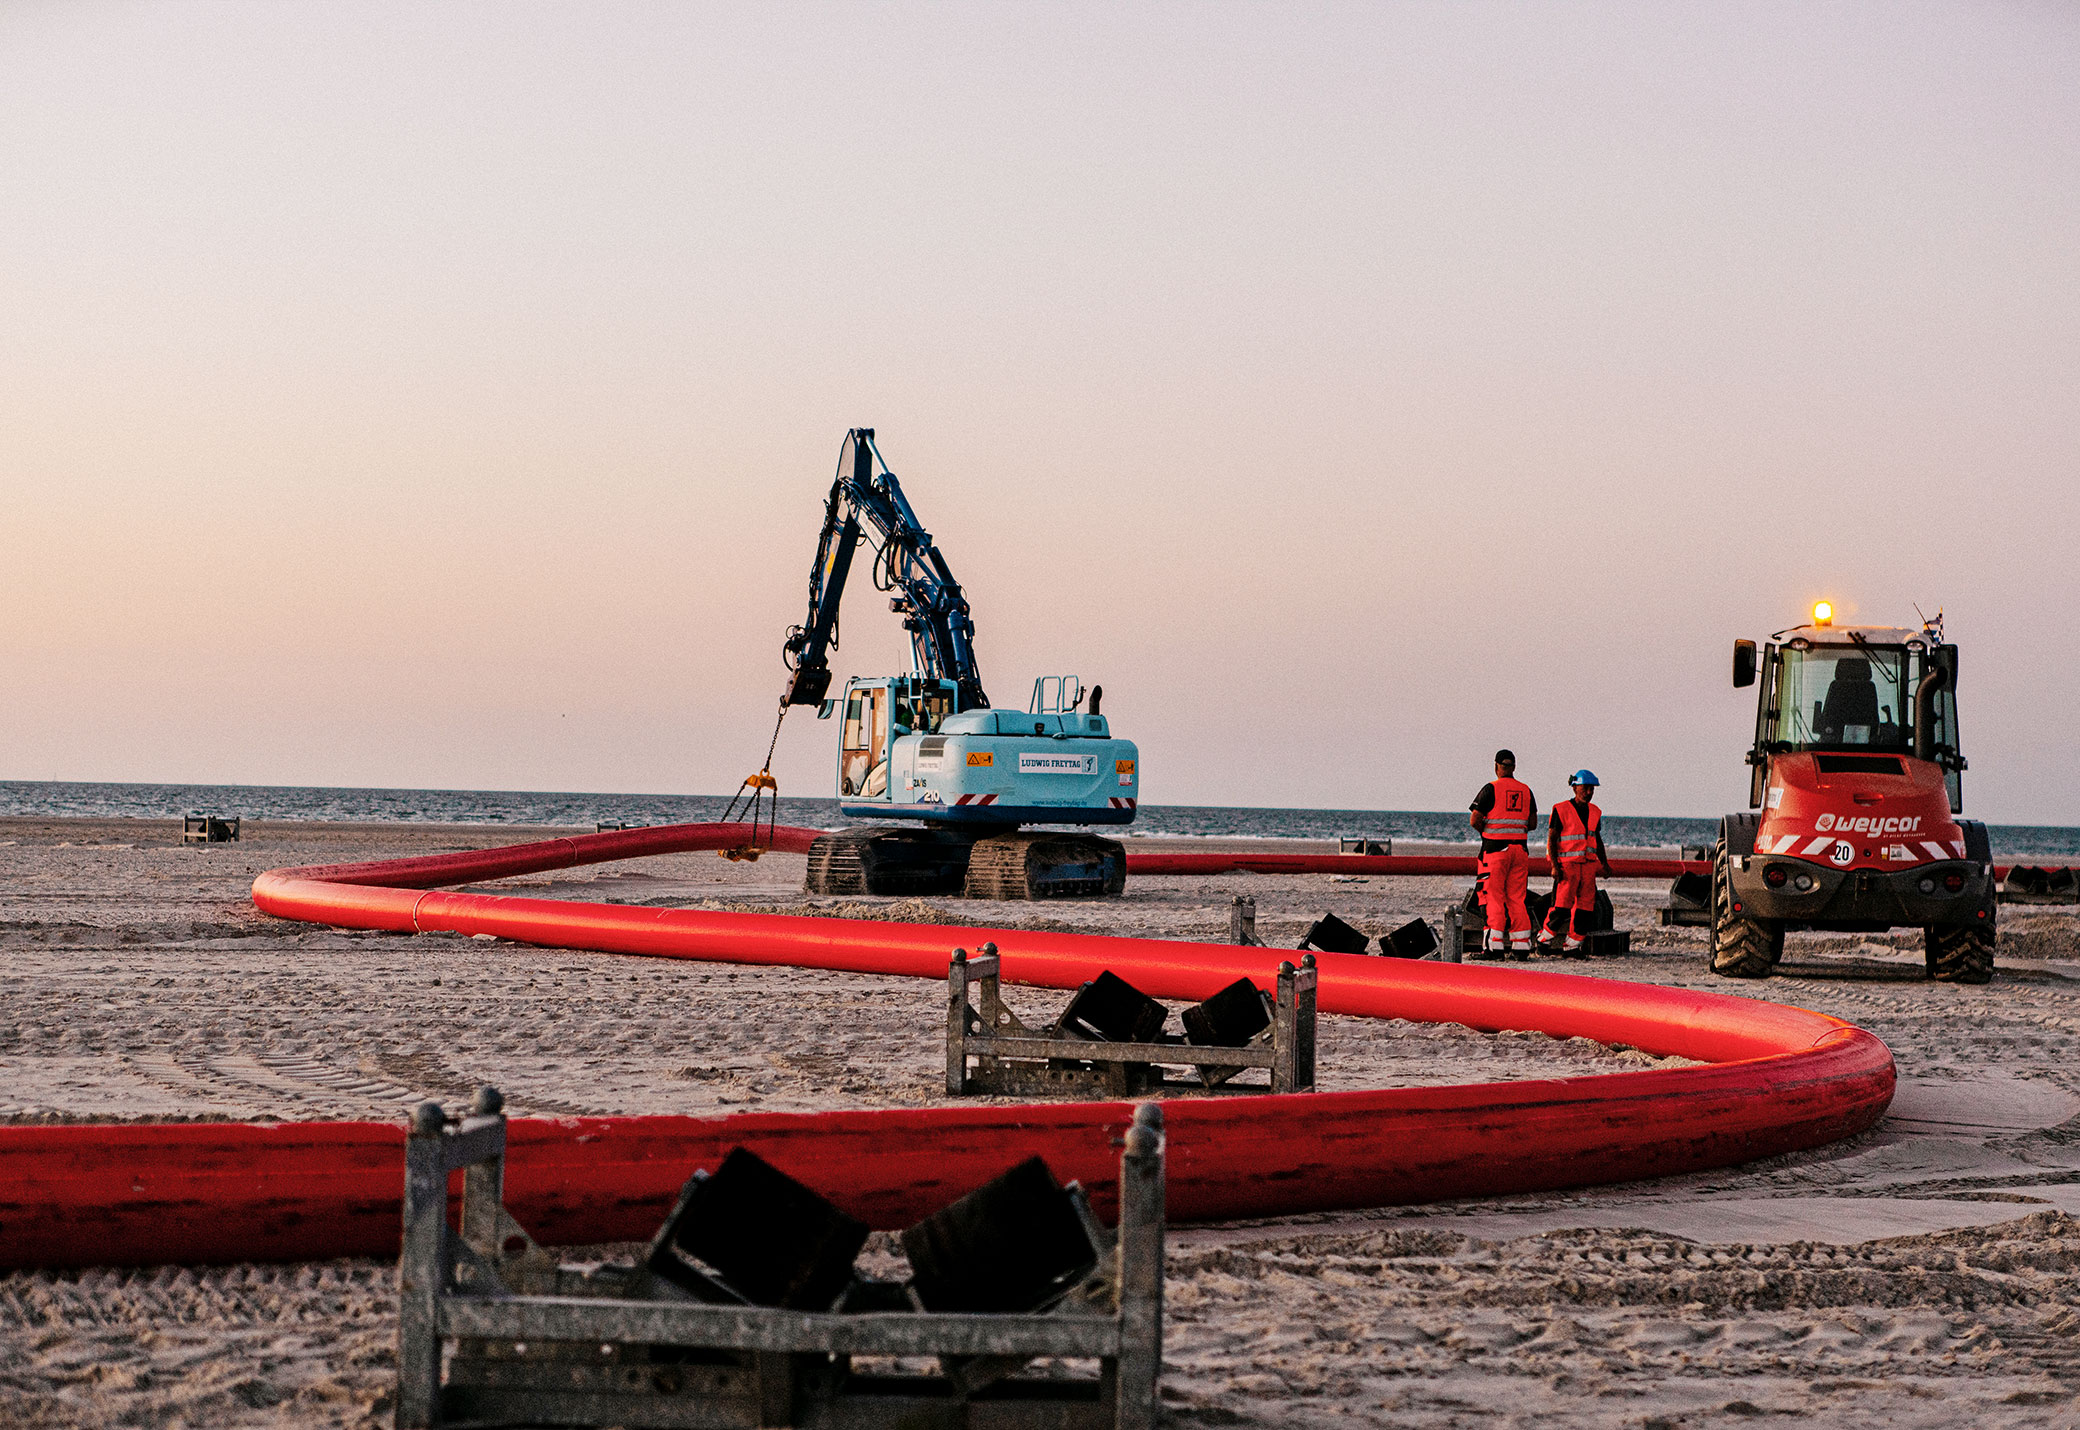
(770, 1239)
(1230, 1018)
(1691, 891)
(1331, 934)
(1414, 939)
(1109, 1009)
(1012, 1244)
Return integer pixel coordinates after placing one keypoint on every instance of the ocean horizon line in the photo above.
(384, 804)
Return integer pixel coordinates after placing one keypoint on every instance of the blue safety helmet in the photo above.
(1584, 777)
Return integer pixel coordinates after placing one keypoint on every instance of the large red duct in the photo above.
(1780, 1079)
(1243, 861)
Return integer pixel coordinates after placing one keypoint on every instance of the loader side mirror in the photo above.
(1944, 658)
(1743, 664)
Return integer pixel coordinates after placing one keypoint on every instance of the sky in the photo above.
(446, 396)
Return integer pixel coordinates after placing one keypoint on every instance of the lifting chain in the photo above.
(764, 796)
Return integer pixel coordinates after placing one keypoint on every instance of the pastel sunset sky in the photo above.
(446, 395)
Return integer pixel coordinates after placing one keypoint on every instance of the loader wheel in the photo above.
(1742, 946)
(1960, 953)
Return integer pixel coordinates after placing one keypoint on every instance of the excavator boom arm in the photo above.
(942, 634)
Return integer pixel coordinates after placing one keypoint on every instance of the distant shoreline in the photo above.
(509, 814)
(13, 787)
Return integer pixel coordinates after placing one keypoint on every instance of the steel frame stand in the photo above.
(537, 1343)
(1012, 1058)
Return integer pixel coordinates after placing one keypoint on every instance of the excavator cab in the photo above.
(878, 712)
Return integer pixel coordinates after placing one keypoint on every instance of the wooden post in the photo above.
(957, 1024)
(422, 1270)
(1303, 1026)
(484, 1188)
(1140, 1274)
(1242, 920)
(1285, 1045)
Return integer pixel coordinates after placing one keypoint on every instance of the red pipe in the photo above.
(1781, 1079)
(1163, 861)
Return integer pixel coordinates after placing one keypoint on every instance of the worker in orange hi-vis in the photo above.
(1504, 812)
(1574, 843)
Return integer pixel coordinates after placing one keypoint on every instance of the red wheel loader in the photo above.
(1857, 777)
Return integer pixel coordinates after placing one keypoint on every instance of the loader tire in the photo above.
(1960, 953)
(1742, 946)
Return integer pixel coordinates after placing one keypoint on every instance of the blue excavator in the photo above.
(945, 781)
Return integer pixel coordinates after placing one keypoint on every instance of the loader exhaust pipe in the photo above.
(1925, 711)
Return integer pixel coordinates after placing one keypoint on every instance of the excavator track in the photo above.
(1046, 865)
(902, 862)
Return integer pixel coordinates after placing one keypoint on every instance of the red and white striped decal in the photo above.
(1119, 803)
(1934, 849)
(976, 799)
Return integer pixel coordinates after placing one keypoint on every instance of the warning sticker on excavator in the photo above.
(1123, 767)
(981, 757)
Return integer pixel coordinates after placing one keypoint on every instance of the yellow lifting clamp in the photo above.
(765, 794)
(764, 791)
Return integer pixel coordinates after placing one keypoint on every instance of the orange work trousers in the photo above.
(1509, 922)
(1574, 901)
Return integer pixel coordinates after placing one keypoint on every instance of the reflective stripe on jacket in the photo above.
(1510, 819)
(1577, 833)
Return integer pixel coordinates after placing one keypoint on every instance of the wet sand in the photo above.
(1922, 1274)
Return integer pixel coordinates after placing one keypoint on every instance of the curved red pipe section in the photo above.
(1780, 1079)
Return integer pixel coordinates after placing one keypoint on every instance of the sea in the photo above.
(49, 798)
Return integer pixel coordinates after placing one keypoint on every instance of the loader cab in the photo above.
(880, 710)
(1853, 691)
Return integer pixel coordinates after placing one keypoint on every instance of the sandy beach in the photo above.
(1922, 1274)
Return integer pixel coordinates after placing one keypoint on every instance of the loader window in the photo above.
(1843, 698)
